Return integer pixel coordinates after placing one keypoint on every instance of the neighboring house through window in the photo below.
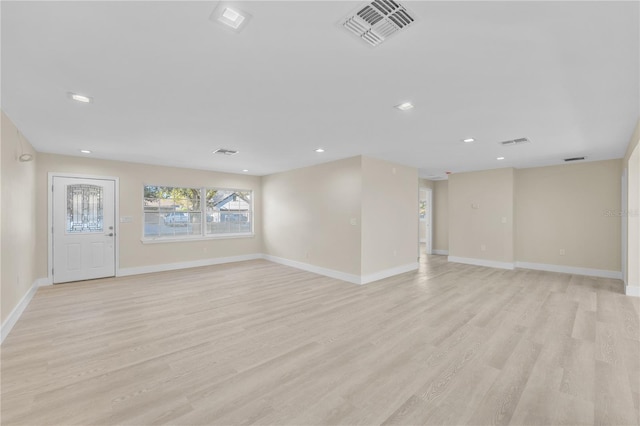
(180, 212)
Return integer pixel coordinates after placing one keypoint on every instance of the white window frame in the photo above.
(203, 232)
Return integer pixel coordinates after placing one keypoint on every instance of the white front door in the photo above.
(83, 229)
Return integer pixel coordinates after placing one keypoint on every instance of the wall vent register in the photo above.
(224, 151)
(514, 142)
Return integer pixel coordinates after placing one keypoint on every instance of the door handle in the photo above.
(109, 235)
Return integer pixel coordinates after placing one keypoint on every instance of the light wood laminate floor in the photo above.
(257, 342)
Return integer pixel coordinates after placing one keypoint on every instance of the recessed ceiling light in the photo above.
(80, 98)
(468, 140)
(500, 158)
(405, 106)
(319, 150)
(245, 170)
(230, 17)
(85, 151)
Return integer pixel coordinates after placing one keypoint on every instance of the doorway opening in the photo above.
(426, 218)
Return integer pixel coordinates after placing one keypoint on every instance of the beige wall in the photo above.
(570, 207)
(441, 215)
(3, 313)
(545, 210)
(631, 163)
(633, 142)
(307, 215)
(357, 216)
(132, 178)
(481, 215)
(426, 183)
(18, 221)
(389, 215)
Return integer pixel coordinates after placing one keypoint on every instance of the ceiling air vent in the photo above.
(378, 20)
(575, 159)
(515, 142)
(224, 151)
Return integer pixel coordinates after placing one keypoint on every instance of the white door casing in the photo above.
(83, 228)
(428, 222)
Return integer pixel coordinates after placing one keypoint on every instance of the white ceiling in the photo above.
(170, 85)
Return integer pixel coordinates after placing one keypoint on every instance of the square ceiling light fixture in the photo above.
(80, 98)
(405, 106)
(231, 16)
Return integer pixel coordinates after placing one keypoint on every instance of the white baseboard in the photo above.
(481, 262)
(15, 314)
(440, 252)
(43, 282)
(339, 275)
(601, 273)
(332, 273)
(124, 272)
(366, 279)
(632, 290)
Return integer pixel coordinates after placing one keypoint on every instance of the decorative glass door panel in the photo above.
(85, 208)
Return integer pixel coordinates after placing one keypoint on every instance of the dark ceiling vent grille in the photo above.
(513, 142)
(370, 16)
(378, 20)
(223, 151)
(574, 159)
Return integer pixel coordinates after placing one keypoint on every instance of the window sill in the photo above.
(185, 239)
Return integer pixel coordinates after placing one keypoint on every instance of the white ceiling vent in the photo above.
(378, 20)
(514, 142)
(223, 151)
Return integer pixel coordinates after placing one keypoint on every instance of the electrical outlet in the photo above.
(353, 221)
(504, 219)
(562, 252)
(483, 247)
